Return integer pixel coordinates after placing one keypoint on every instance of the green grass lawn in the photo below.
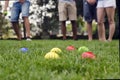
(15, 65)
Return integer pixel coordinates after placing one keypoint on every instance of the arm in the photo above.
(21, 1)
(91, 1)
(6, 5)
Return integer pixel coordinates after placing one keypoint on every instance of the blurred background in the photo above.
(45, 23)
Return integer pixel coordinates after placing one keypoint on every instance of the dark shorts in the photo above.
(89, 11)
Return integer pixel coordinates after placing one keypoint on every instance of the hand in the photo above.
(92, 2)
(21, 1)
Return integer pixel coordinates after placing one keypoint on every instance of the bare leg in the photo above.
(110, 14)
(27, 26)
(74, 29)
(101, 27)
(63, 27)
(89, 30)
(17, 30)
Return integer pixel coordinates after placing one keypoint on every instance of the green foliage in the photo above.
(69, 27)
(94, 26)
(82, 25)
(15, 65)
(5, 27)
(80, 21)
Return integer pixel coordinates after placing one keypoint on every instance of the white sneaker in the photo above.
(28, 39)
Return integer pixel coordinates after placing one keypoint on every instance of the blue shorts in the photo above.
(89, 12)
(19, 8)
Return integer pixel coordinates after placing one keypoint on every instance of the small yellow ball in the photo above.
(56, 50)
(52, 55)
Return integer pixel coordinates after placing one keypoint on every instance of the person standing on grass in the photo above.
(19, 6)
(89, 11)
(67, 10)
(108, 7)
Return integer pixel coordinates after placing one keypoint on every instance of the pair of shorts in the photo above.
(67, 11)
(18, 8)
(106, 3)
(89, 11)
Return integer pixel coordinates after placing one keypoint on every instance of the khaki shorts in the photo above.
(67, 11)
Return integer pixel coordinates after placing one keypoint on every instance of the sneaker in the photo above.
(28, 39)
